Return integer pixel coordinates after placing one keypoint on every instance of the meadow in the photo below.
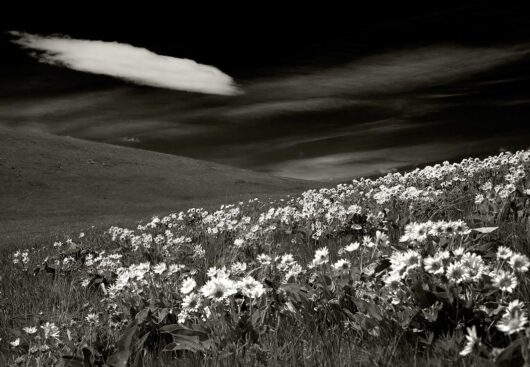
(423, 268)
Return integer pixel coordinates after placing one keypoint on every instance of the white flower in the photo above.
(15, 343)
(519, 263)
(30, 330)
(251, 288)
(264, 259)
(159, 268)
(472, 341)
(239, 242)
(219, 288)
(352, 247)
(456, 272)
(92, 318)
(191, 302)
(342, 265)
(513, 322)
(321, 256)
(434, 265)
(505, 281)
(188, 285)
(238, 268)
(50, 330)
(504, 253)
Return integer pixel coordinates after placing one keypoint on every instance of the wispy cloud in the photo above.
(134, 64)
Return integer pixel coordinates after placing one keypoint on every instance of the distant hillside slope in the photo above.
(50, 183)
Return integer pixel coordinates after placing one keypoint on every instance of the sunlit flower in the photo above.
(188, 285)
(92, 318)
(50, 330)
(321, 256)
(504, 253)
(219, 288)
(238, 268)
(434, 265)
(352, 247)
(30, 330)
(15, 343)
(512, 322)
(191, 302)
(264, 259)
(342, 265)
(159, 268)
(472, 341)
(456, 272)
(505, 281)
(251, 288)
(519, 263)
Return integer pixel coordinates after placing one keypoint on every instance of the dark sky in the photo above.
(329, 95)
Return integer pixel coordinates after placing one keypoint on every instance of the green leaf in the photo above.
(121, 356)
(510, 355)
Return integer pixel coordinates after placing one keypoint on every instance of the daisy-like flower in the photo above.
(381, 239)
(191, 302)
(459, 251)
(321, 256)
(367, 242)
(50, 330)
(342, 265)
(352, 247)
(434, 265)
(251, 288)
(513, 322)
(219, 288)
(504, 253)
(92, 318)
(514, 306)
(159, 268)
(15, 343)
(456, 272)
(505, 281)
(188, 285)
(393, 280)
(238, 268)
(264, 259)
(30, 330)
(472, 341)
(239, 242)
(519, 263)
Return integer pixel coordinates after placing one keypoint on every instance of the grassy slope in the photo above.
(50, 184)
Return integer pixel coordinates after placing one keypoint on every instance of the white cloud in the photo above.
(124, 61)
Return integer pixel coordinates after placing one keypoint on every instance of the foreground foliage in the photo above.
(430, 266)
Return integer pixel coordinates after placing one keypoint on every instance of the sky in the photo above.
(329, 96)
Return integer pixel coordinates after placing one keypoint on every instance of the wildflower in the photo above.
(513, 322)
(159, 268)
(505, 281)
(321, 257)
(239, 242)
(456, 272)
(92, 318)
(352, 247)
(251, 288)
(459, 251)
(381, 239)
(188, 285)
(238, 268)
(50, 330)
(264, 259)
(479, 199)
(191, 302)
(504, 253)
(472, 341)
(514, 306)
(434, 265)
(175, 268)
(218, 288)
(342, 265)
(367, 242)
(15, 343)
(30, 330)
(519, 263)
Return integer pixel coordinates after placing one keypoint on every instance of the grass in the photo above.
(385, 307)
(51, 184)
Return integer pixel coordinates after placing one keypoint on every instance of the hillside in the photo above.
(50, 183)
